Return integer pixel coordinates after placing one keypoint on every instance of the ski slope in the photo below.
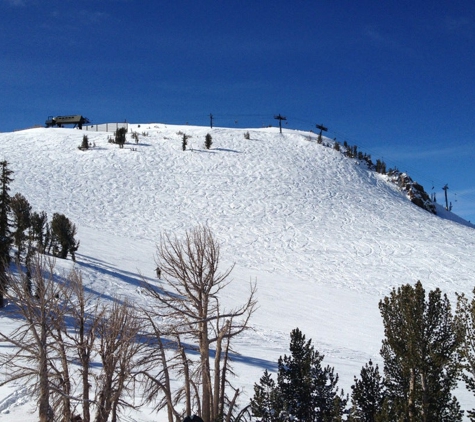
(323, 237)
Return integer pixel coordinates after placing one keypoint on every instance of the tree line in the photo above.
(427, 349)
(29, 232)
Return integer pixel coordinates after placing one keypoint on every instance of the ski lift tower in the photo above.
(446, 188)
(322, 129)
(280, 118)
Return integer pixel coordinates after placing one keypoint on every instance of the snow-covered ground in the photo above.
(324, 238)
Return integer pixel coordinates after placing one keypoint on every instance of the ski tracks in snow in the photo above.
(266, 198)
(287, 212)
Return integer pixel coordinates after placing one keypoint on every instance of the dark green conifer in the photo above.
(184, 142)
(38, 230)
(21, 213)
(264, 403)
(5, 234)
(420, 354)
(465, 315)
(85, 143)
(367, 395)
(120, 137)
(208, 141)
(305, 390)
(62, 235)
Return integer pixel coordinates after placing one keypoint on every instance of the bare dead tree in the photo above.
(31, 342)
(85, 312)
(61, 381)
(164, 357)
(191, 305)
(61, 333)
(119, 349)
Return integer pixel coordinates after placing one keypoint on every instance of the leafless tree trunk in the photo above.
(44, 345)
(86, 329)
(157, 368)
(190, 268)
(61, 384)
(119, 348)
(81, 336)
(32, 340)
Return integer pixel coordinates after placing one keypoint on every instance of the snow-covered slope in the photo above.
(324, 237)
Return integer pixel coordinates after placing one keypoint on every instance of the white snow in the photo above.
(324, 238)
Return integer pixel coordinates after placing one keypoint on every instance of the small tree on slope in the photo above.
(85, 143)
(305, 390)
(184, 142)
(208, 141)
(120, 136)
(62, 233)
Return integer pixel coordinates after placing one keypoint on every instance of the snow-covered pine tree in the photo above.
(465, 315)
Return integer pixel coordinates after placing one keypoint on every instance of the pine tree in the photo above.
(466, 317)
(120, 137)
(380, 166)
(419, 352)
(85, 143)
(184, 142)
(264, 404)
(208, 141)
(38, 230)
(367, 395)
(5, 235)
(62, 234)
(21, 212)
(294, 376)
(305, 390)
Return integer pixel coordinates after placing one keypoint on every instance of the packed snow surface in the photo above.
(323, 237)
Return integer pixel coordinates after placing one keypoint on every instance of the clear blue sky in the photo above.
(394, 77)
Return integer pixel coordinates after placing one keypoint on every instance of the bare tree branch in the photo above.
(191, 307)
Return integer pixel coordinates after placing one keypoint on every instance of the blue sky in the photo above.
(395, 78)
